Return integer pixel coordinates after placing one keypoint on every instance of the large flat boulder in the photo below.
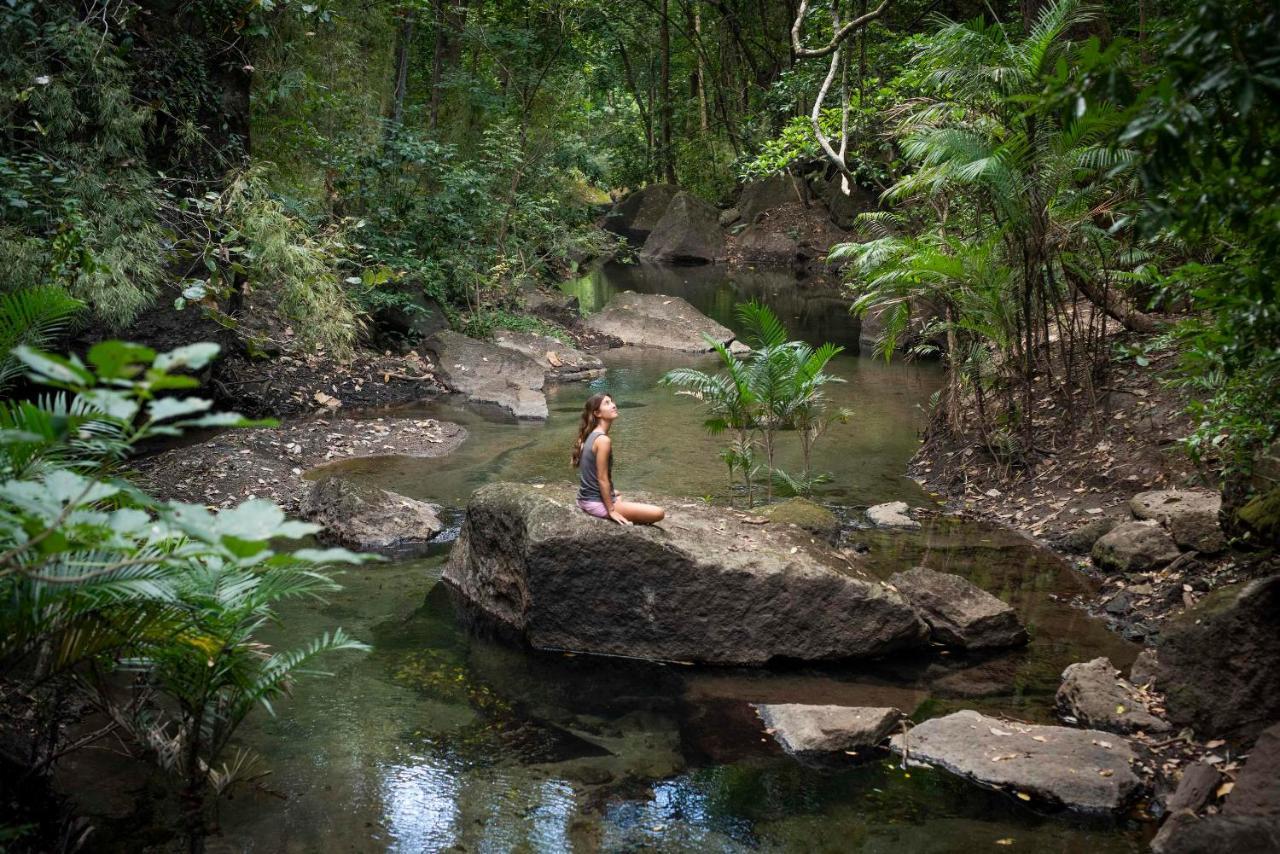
(368, 519)
(1094, 694)
(490, 375)
(634, 217)
(816, 732)
(704, 586)
(1190, 515)
(1133, 547)
(688, 233)
(659, 321)
(1218, 663)
(560, 362)
(958, 612)
(1084, 770)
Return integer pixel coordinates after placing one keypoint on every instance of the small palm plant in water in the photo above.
(777, 387)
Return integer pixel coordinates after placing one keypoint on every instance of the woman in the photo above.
(593, 455)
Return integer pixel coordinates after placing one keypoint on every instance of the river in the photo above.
(442, 738)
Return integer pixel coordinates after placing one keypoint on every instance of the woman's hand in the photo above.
(619, 518)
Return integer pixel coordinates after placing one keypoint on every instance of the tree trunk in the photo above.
(664, 47)
(403, 41)
(437, 65)
(702, 70)
(1114, 305)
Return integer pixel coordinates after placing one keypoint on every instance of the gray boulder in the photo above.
(757, 197)
(688, 233)
(1184, 833)
(1084, 770)
(368, 519)
(488, 374)
(1080, 541)
(1219, 662)
(1134, 547)
(1257, 790)
(1093, 693)
(842, 208)
(821, 731)
(560, 362)
(729, 216)
(1190, 515)
(634, 217)
(765, 246)
(891, 514)
(805, 514)
(703, 586)
(958, 612)
(1198, 786)
(662, 322)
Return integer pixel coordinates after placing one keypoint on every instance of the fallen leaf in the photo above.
(1225, 789)
(995, 731)
(1008, 840)
(1024, 796)
(1038, 738)
(1120, 710)
(1105, 772)
(1004, 757)
(553, 359)
(1217, 742)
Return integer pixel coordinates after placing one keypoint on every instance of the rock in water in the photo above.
(688, 233)
(1190, 515)
(663, 322)
(958, 612)
(634, 217)
(819, 731)
(368, 519)
(492, 375)
(1134, 547)
(892, 514)
(560, 361)
(703, 586)
(1084, 770)
(1219, 662)
(1093, 693)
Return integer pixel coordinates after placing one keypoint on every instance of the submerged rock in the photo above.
(368, 519)
(689, 232)
(958, 612)
(703, 586)
(805, 514)
(814, 732)
(1134, 547)
(489, 374)
(1084, 770)
(1190, 515)
(1219, 662)
(1093, 693)
(659, 321)
(892, 514)
(561, 362)
(634, 217)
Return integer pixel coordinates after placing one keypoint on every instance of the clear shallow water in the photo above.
(443, 738)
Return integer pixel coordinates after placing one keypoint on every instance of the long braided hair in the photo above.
(587, 424)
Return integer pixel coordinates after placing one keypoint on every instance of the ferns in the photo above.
(31, 317)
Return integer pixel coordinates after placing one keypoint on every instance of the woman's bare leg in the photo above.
(640, 514)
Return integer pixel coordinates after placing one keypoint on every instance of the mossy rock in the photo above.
(806, 514)
(1262, 516)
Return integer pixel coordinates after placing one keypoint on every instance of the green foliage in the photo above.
(778, 386)
(95, 575)
(31, 318)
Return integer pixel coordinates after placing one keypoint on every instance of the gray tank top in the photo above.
(588, 483)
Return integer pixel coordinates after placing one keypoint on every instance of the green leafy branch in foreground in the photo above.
(97, 578)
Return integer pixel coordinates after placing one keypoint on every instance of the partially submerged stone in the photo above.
(659, 321)
(804, 514)
(559, 361)
(959, 612)
(813, 732)
(688, 233)
(704, 586)
(1095, 695)
(1084, 770)
(368, 519)
(1190, 515)
(1134, 547)
(891, 514)
(488, 374)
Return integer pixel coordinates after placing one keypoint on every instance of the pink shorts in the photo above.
(593, 508)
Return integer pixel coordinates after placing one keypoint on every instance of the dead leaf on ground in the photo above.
(553, 359)
(1225, 789)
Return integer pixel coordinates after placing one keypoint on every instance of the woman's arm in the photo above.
(604, 445)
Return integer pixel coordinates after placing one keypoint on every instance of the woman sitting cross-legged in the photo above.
(593, 455)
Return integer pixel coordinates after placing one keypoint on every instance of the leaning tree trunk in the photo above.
(1114, 305)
